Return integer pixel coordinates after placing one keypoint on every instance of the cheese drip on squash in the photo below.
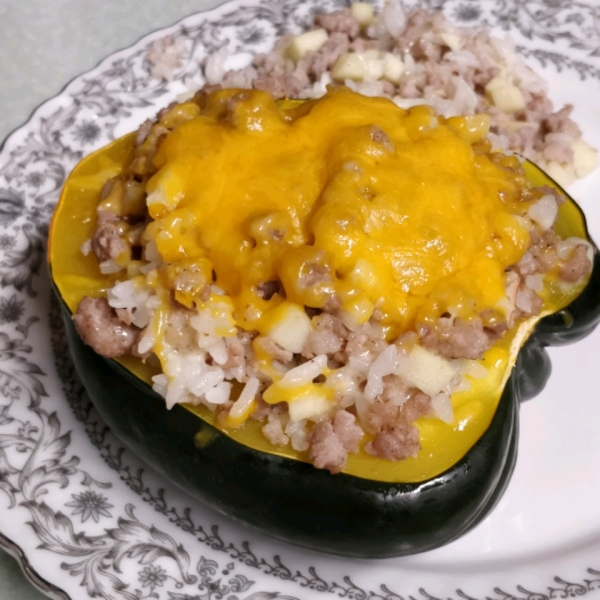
(346, 198)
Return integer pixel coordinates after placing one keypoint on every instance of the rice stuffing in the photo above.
(416, 57)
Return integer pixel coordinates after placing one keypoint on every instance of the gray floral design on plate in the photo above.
(89, 504)
(129, 535)
(152, 577)
(11, 309)
(467, 13)
(86, 132)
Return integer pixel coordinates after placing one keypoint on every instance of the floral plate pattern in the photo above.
(87, 518)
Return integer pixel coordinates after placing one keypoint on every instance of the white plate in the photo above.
(87, 518)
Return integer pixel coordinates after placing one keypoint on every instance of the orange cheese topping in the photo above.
(398, 209)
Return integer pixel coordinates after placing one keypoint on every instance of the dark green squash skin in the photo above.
(293, 501)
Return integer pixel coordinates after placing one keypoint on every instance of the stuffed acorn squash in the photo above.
(337, 282)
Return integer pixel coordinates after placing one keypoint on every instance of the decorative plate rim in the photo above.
(25, 203)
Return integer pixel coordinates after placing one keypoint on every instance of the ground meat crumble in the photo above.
(101, 328)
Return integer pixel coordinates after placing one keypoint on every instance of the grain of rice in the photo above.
(385, 364)
(218, 351)
(544, 211)
(442, 406)
(298, 435)
(245, 399)
(219, 393)
(147, 341)
(108, 267)
(524, 301)
(214, 68)
(304, 373)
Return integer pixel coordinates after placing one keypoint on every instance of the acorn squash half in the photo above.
(371, 511)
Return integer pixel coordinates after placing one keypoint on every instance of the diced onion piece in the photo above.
(310, 41)
(452, 40)
(504, 95)
(585, 158)
(122, 295)
(291, 329)
(349, 66)
(535, 282)
(524, 301)
(544, 211)
(428, 372)
(375, 66)
(215, 65)
(507, 304)
(345, 382)
(311, 406)
(362, 12)
(564, 248)
(364, 66)
(393, 68)
(561, 173)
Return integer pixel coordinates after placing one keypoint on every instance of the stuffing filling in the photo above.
(418, 57)
(303, 300)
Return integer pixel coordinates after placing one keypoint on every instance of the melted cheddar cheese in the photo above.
(350, 198)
